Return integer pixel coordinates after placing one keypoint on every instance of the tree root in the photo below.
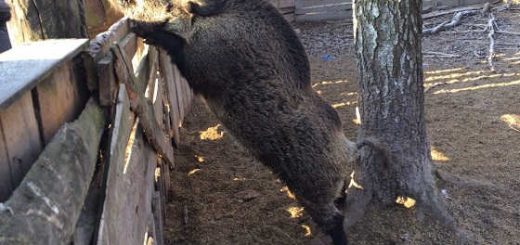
(465, 182)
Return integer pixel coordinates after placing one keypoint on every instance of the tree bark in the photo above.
(44, 19)
(5, 15)
(398, 163)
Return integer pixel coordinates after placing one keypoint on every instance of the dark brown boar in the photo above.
(246, 61)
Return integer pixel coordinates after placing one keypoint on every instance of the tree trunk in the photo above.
(398, 163)
(5, 15)
(44, 19)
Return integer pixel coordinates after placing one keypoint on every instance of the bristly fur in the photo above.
(247, 62)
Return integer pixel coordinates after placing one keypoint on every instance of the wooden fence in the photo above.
(86, 140)
(321, 10)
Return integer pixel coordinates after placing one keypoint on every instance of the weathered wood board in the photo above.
(20, 141)
(6, 186)
(60, 99)
(139, 104)
(312, 10)
(37, 60)
(46, 205)
(171, 92)
(158, 214)
(107, 81)
(430, 5)
(129, 182)
(323, 10)
(180, 92)
(101, 44)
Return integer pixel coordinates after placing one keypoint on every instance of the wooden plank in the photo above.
(158, 215)
(127, 204)
(309, 3)
(101, 44)
(59, 100)
(171, 92)
(107, 81)
(22, 67)
(91, 211)
(451, 11)
(140, 53)
(155, 88)
(165, 179)
(324, 16)
(172, 101)
(21, 135)
(180, 95)
(6, 187)
(47, 204)
(188, 95)
(325, 8)
(285, 4)
(129, 44)
(119, 142)
(141, 106)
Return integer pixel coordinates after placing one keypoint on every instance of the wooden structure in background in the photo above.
(322, 10)
(286, 7)
(104, 177)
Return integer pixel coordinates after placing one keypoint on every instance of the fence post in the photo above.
(5, 15)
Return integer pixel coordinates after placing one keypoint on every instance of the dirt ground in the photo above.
(223, 196)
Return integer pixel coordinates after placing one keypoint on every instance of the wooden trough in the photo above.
(86, 140)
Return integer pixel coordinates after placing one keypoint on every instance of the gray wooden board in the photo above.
(171, 90)
(186, 96)
(5, 170)
(310, 3)
(283, 3)
(129, 44)
(325, 9)
(130, 180)
(59, 100)
(101, 44)
(158, 214)
(189, 97)
(178, 85)
(47, 204)
(22, 67)
(155, 88)
(125, 212)
(324, 16)
(107, 81)
(140, 105)
(21, 136)
(121, 129)
(87, 222)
